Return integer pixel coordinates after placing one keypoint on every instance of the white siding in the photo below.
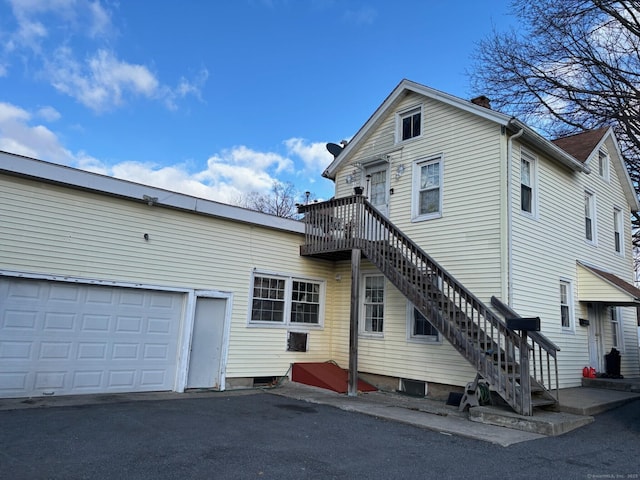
(53, 230)
(546, 249)
(467, 240)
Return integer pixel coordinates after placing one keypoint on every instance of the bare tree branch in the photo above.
(573, 65)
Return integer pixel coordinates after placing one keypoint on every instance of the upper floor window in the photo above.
(527, 182)
(419, 327)
(427, 189)
(285, 300)
(566, 305)
(589, 217)
(618, 228)
(603, 164)
(373, 304)
(409, 124)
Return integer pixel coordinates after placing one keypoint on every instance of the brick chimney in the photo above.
(483, 101)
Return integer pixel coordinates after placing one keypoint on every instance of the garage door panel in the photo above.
(75, 338)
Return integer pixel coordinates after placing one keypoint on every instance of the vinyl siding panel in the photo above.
(54, 230)
(547, 247)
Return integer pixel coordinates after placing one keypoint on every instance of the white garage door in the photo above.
(61, 338)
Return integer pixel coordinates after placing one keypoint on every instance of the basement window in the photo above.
(297, 342)
(415, 388)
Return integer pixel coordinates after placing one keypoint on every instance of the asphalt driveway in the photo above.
(265, 436)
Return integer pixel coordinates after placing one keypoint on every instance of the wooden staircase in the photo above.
(520, 367)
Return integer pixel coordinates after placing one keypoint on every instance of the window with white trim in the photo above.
(286, 300)
(373, 304)
(618, 228)
(409, 124)
(589, 217)
(603, 164)
(427, 189)
(616, 329)
(527, 182)
(418, 327)
(566, 305)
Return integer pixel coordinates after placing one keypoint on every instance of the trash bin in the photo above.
(612, 363)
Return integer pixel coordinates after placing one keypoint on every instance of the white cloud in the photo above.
(314, 155)
(46, 34)
(18, 136)
(101, 81)
(225, 176)
(49, 114)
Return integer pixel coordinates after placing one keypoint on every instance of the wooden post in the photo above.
(525, 376)
(353, 325)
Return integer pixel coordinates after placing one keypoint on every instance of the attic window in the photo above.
(603, 164)
(409, 124)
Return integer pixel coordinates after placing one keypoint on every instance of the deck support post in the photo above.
(353, 325)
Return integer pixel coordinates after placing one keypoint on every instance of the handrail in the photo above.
(469, 325)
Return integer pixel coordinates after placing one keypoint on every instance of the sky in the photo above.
(220, 98)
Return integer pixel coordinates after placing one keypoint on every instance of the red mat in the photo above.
(326, 375)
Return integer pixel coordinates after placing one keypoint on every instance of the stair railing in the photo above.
(471, 327)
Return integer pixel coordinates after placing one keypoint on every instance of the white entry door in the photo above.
(596, 353)
(206, 343)
(378, 187)
(61, 338)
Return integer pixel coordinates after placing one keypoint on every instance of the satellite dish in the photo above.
(334, 149)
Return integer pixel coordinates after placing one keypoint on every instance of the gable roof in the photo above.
(407, 86)
(581, 145)
(584, 147)
(26, 167)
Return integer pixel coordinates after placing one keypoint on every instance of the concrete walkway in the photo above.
(492, 424)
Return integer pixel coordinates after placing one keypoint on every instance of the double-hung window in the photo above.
(616, 333)
(618, 228)
(566, 302)
(427, 194)
(419, 328)
(409, 124)
(527, 182)
(589, 217)
(373, 304)
(286, 300)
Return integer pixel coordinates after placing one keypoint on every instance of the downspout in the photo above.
(510, 217)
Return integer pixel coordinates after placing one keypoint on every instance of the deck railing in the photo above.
(500, 355)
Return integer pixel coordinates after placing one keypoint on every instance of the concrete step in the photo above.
(542, 422)
(620, 384)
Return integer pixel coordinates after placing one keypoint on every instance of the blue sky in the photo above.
(219, 98)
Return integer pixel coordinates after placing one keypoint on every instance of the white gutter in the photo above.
(510, 219)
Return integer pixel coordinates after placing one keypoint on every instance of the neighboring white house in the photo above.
(112, 286)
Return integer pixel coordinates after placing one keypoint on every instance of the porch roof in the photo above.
(595, 285)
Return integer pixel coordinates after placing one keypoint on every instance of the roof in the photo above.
(581, 145)
(511, 123)
(26, 167)
(626, 292)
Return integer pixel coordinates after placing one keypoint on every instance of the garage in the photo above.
(64, 338)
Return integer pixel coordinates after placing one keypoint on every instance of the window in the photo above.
(418, 327)
(410, 124)
(373, 303)
(589, 217)
(616, 332)
(427, 201)
(603, 164)
(283, 300)
(566, 313)
(527, 182)
(617, 231)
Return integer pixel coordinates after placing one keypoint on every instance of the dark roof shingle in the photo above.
(582, 144)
